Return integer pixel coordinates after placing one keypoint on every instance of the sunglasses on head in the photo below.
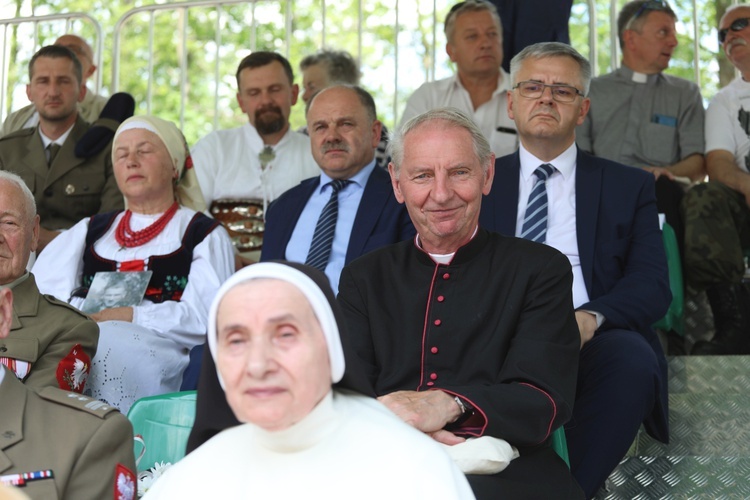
(650, 5)
(737, 25)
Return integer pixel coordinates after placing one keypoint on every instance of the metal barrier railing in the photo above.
(394, 90)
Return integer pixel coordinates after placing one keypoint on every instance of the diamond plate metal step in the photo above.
(709, 451)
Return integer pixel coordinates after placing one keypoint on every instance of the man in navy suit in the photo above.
(344, 133)
(603, 217)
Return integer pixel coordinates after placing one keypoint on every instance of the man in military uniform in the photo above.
(50, 342)
(66, 188)
(58, 444)
(717, 213)
(89, 108)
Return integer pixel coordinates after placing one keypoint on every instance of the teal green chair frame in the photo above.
(675, 317)
(560, 444)
(163, 423)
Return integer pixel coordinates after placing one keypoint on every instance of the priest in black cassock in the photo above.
(462, 332)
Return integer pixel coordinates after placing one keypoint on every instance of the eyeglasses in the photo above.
(650, 5)
(560, 93)
(737, 25)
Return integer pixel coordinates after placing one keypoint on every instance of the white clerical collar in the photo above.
(443, 258)
(565, 163)
(46, 141)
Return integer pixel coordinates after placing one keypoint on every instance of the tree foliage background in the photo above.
(180, 63)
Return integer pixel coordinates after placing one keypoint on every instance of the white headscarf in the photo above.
(318, 301)
(187, 191)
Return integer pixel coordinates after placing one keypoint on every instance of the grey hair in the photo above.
(339, 64)
(470, 6)
(629, 10)
(21, 185)
(552, 49)
(364, 98)
(449, 117)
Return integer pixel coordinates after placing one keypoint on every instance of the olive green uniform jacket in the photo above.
(71, 188)
(45, 332)
(87, 444)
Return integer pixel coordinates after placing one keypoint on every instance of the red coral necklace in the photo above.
(127, 238)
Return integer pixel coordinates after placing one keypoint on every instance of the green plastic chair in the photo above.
(560, 444)
(163, 424)
(674, 319)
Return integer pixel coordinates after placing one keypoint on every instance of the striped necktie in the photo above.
(320, 248)
(535, 219)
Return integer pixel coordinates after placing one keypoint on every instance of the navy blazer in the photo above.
(621, 249)
(380, 219)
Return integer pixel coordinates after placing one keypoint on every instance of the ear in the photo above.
(35, 234)
(395, 183)
(90, 72)
(583, 111)
(82, 92)
(628, 39)
(6, 311)
(489, 176)
(28, 92)
(449, 50)
(509, 104)
(295, 93)
(377, 129)
(240, 104)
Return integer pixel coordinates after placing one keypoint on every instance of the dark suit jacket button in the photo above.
(48, 192)
(3, 349)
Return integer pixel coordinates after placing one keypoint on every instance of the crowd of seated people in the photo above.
(419, 233)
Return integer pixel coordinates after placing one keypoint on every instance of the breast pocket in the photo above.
(660, 146)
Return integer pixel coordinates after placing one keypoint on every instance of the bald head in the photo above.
(82, 50)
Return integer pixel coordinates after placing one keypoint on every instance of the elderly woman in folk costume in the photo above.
(309, 429)
(143, 349)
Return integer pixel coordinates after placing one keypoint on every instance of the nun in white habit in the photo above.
(275, 334)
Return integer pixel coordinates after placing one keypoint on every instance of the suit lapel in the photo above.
(13, 394)
(588, 194)
(26, 301)
(374, 198)
(296, 205)
(66, 159)
(35, 158)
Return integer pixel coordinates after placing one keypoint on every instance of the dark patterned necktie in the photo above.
(52, 150)
(320, 248)
(535, 218)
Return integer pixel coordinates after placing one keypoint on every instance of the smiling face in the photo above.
(144, 170)
(19, 232)
(271, 354)
(736, 45)
(649, 48)
(476, 45)
(343, 137)
(542, 122)
(442, 182)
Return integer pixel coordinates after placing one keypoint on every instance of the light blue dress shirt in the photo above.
(349, 198)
